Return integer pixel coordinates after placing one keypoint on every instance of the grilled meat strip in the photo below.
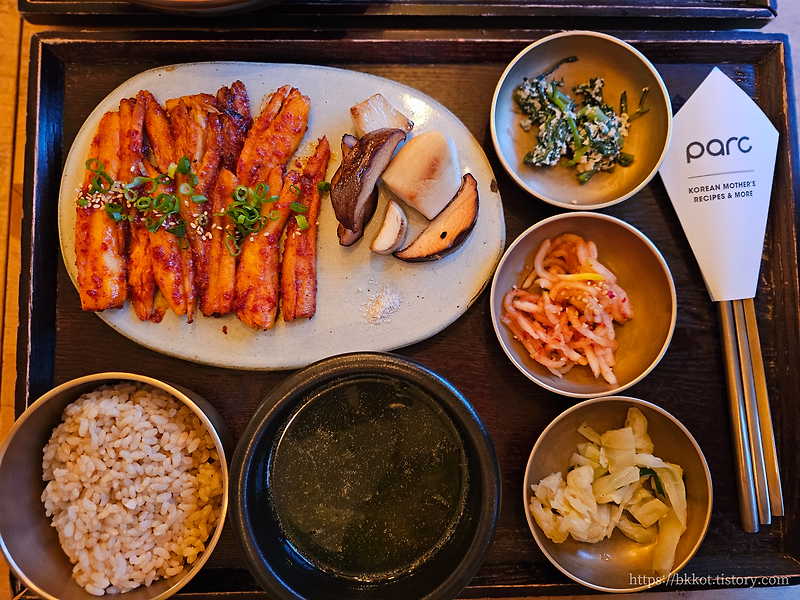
(99, 240)
(299, 264)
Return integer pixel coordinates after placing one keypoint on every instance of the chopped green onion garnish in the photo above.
(91, 161)
(97, 183)
(231, 241)
(272, 198)
(295, 190)
(143, 203)
(130, 195)
(171, 170)
(260, 191)
(97, 180)
(114, 211)
(186, 189)
(179, 229)
(137, 181)
(302, 223)
(297, 207)
(324, 186)
(184, 165)
(199, 199)
(152, 226)
(166, 203)
(82, 202)
(240, 193)
(274, 215)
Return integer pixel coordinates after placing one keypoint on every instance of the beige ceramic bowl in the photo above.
(641, 271)
(623, 68)
(28, 541)
(617, 564)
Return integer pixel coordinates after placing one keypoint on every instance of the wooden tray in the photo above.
(588, 14)
(72, 72)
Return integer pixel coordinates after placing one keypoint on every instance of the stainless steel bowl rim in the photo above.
(512, 172)
(532, 523)
(643, 238)
(181, 397)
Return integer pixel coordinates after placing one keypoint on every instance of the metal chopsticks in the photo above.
(765, 417)
(759, 486)
(743, 463)
(751, 415)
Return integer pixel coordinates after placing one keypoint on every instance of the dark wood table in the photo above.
(72, 72)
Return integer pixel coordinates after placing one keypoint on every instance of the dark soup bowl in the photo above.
(364, 476)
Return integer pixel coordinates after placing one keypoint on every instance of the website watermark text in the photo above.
(721, 580)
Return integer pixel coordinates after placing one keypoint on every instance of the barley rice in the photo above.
(134, 486)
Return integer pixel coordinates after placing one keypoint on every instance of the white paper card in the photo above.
(718, 173)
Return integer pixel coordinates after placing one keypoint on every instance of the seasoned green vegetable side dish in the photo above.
(590, 134)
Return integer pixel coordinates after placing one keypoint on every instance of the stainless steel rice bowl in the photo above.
(27, 538)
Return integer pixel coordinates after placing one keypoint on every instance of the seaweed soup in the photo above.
(368, 478)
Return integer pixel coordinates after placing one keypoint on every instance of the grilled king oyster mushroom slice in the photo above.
(355, 180)
(449, 229)
(393, 232)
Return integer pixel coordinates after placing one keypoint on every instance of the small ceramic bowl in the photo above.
(28, 540)
(623, 69)
(618, 564)
(364, 476)
(640, 270)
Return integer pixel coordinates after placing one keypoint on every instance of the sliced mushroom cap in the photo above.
(354, 182)
(348, 143)
(348, 237)
(449, 229)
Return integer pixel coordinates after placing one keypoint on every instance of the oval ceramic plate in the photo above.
(432, 295)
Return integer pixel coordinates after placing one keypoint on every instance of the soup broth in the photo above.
(368, 477)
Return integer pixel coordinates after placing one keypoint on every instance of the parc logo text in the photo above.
(716, 147)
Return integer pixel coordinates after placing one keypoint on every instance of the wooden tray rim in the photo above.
(683, 14)
(48, 41)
